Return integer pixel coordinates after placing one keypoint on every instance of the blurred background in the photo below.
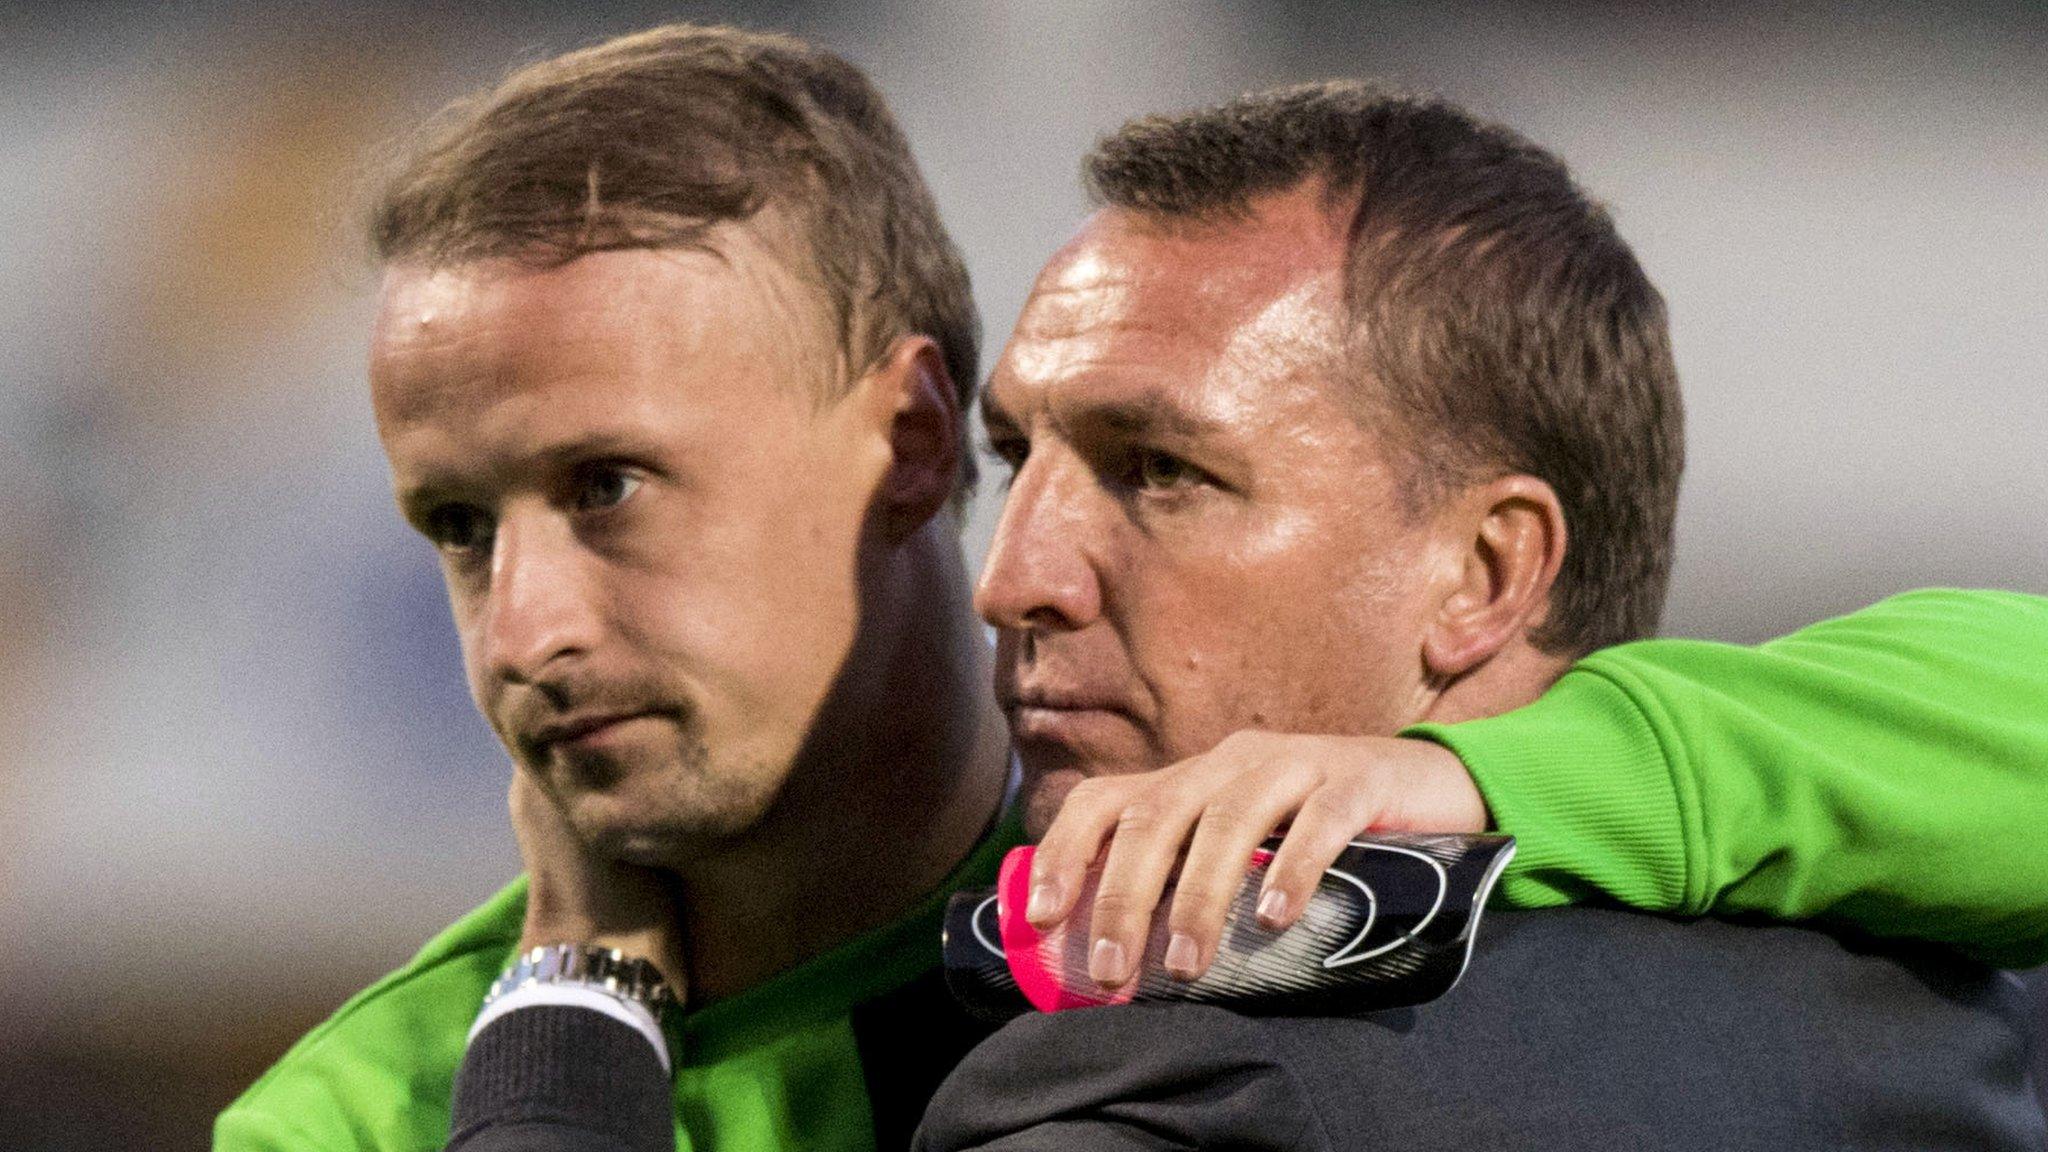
(242, 776)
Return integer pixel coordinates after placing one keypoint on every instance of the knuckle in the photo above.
(1139, 816)
(1201, 900)
(1244, 743)
(1089, 793)
(1297, 775)
(1345, 809)
(1185, 779)
(1115, 905)
(1065, 848)
(1200, 921)
(1356, 809)
(1298, 879)
(1051, 859)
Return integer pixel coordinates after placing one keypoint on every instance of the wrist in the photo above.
(628, 988)
(1458, 804)
(618, 973)
(656, 944)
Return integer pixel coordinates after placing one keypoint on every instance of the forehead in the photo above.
(472, 334)
(1184, 316)
(489, 374)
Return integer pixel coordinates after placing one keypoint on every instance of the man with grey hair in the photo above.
(1349, 413)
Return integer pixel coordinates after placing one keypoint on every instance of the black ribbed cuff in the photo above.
(552, 1078)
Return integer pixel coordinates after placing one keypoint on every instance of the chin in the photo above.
(665, 840)
(1043, 796)
(1049, 777)
(669, 819)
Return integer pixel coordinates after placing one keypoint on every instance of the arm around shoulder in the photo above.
(1886, 769)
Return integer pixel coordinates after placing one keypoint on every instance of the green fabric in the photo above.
(1887, 770)
(773, 1068)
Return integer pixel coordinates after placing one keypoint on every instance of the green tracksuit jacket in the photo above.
(1886, 770)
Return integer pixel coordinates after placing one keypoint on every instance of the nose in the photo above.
(1038, 574)
(541, 607)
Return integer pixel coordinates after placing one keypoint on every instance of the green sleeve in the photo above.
(380, 1073)
(1887, 769)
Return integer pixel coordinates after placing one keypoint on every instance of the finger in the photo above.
(1330, 818)
(1143, 850)
(1060, 864)
(1231, 826)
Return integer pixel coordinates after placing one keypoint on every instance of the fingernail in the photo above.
(1106, 962)
(1182, 956)
(1044, 898)
(1272, 906)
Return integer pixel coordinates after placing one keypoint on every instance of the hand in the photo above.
(579, 897)
(1220, 806)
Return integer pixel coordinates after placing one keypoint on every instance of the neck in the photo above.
(903, 774)
(1511, 678)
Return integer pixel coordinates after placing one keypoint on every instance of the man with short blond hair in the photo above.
(671, 364)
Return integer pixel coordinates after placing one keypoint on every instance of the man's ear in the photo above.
(1510, 538)
(912, 392)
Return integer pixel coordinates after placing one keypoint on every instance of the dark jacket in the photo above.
(1574, 1029)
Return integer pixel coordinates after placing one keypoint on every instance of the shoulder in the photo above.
(1104, 1077)
(1569, 1021)
(380, 1071)
(1657, 1031)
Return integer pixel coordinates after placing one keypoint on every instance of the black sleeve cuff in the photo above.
(560, 1079)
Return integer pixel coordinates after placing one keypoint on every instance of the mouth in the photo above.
(1060, 717)
(1057, 700)
(586, 731)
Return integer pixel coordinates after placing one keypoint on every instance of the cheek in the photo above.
(1289, 640)
(760, 613)
(469, 639)
(1354, 666)
(737, 629)
(1211, 647)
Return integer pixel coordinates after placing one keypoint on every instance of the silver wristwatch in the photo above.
(607, 970)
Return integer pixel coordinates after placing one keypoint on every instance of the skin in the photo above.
(717, 620)
(1206, 543)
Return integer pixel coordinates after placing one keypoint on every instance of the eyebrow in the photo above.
(1150, 414)
(597, 445)
(436, 485)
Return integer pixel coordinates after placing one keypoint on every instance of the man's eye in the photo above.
(1162, 470)
(1011, 450)
(458, 528)
(600, 488)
